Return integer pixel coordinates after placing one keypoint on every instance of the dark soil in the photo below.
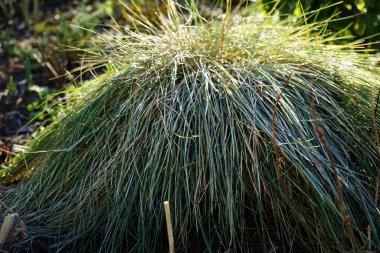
(14, 115)
(15, 78)
(15, 126)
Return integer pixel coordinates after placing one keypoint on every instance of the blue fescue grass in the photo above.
(187, 112)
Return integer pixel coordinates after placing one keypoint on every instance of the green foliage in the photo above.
(358, 18)
(6, 42)
(44, 111)
(11, 86)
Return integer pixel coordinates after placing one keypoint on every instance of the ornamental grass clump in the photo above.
(260, 134)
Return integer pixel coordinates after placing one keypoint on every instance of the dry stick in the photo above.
(346, 217)
(278, 159)
(169, 226)
(7, 151)
(374, 110)
(377, 189)
(378, 144)
(377, 102)
(376, 201)
(7, 228)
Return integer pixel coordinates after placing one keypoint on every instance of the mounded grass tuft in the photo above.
(257, 132)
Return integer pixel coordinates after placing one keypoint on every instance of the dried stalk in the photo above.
(346, 219)
(374, 125)
(276, 152)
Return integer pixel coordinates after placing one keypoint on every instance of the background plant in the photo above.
(357, 18)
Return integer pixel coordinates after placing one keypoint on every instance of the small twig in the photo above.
(169, 226)
(377, 102)
(276, 152)
(345, 216)
(369, 235)
(374, 111)
(7, 151)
